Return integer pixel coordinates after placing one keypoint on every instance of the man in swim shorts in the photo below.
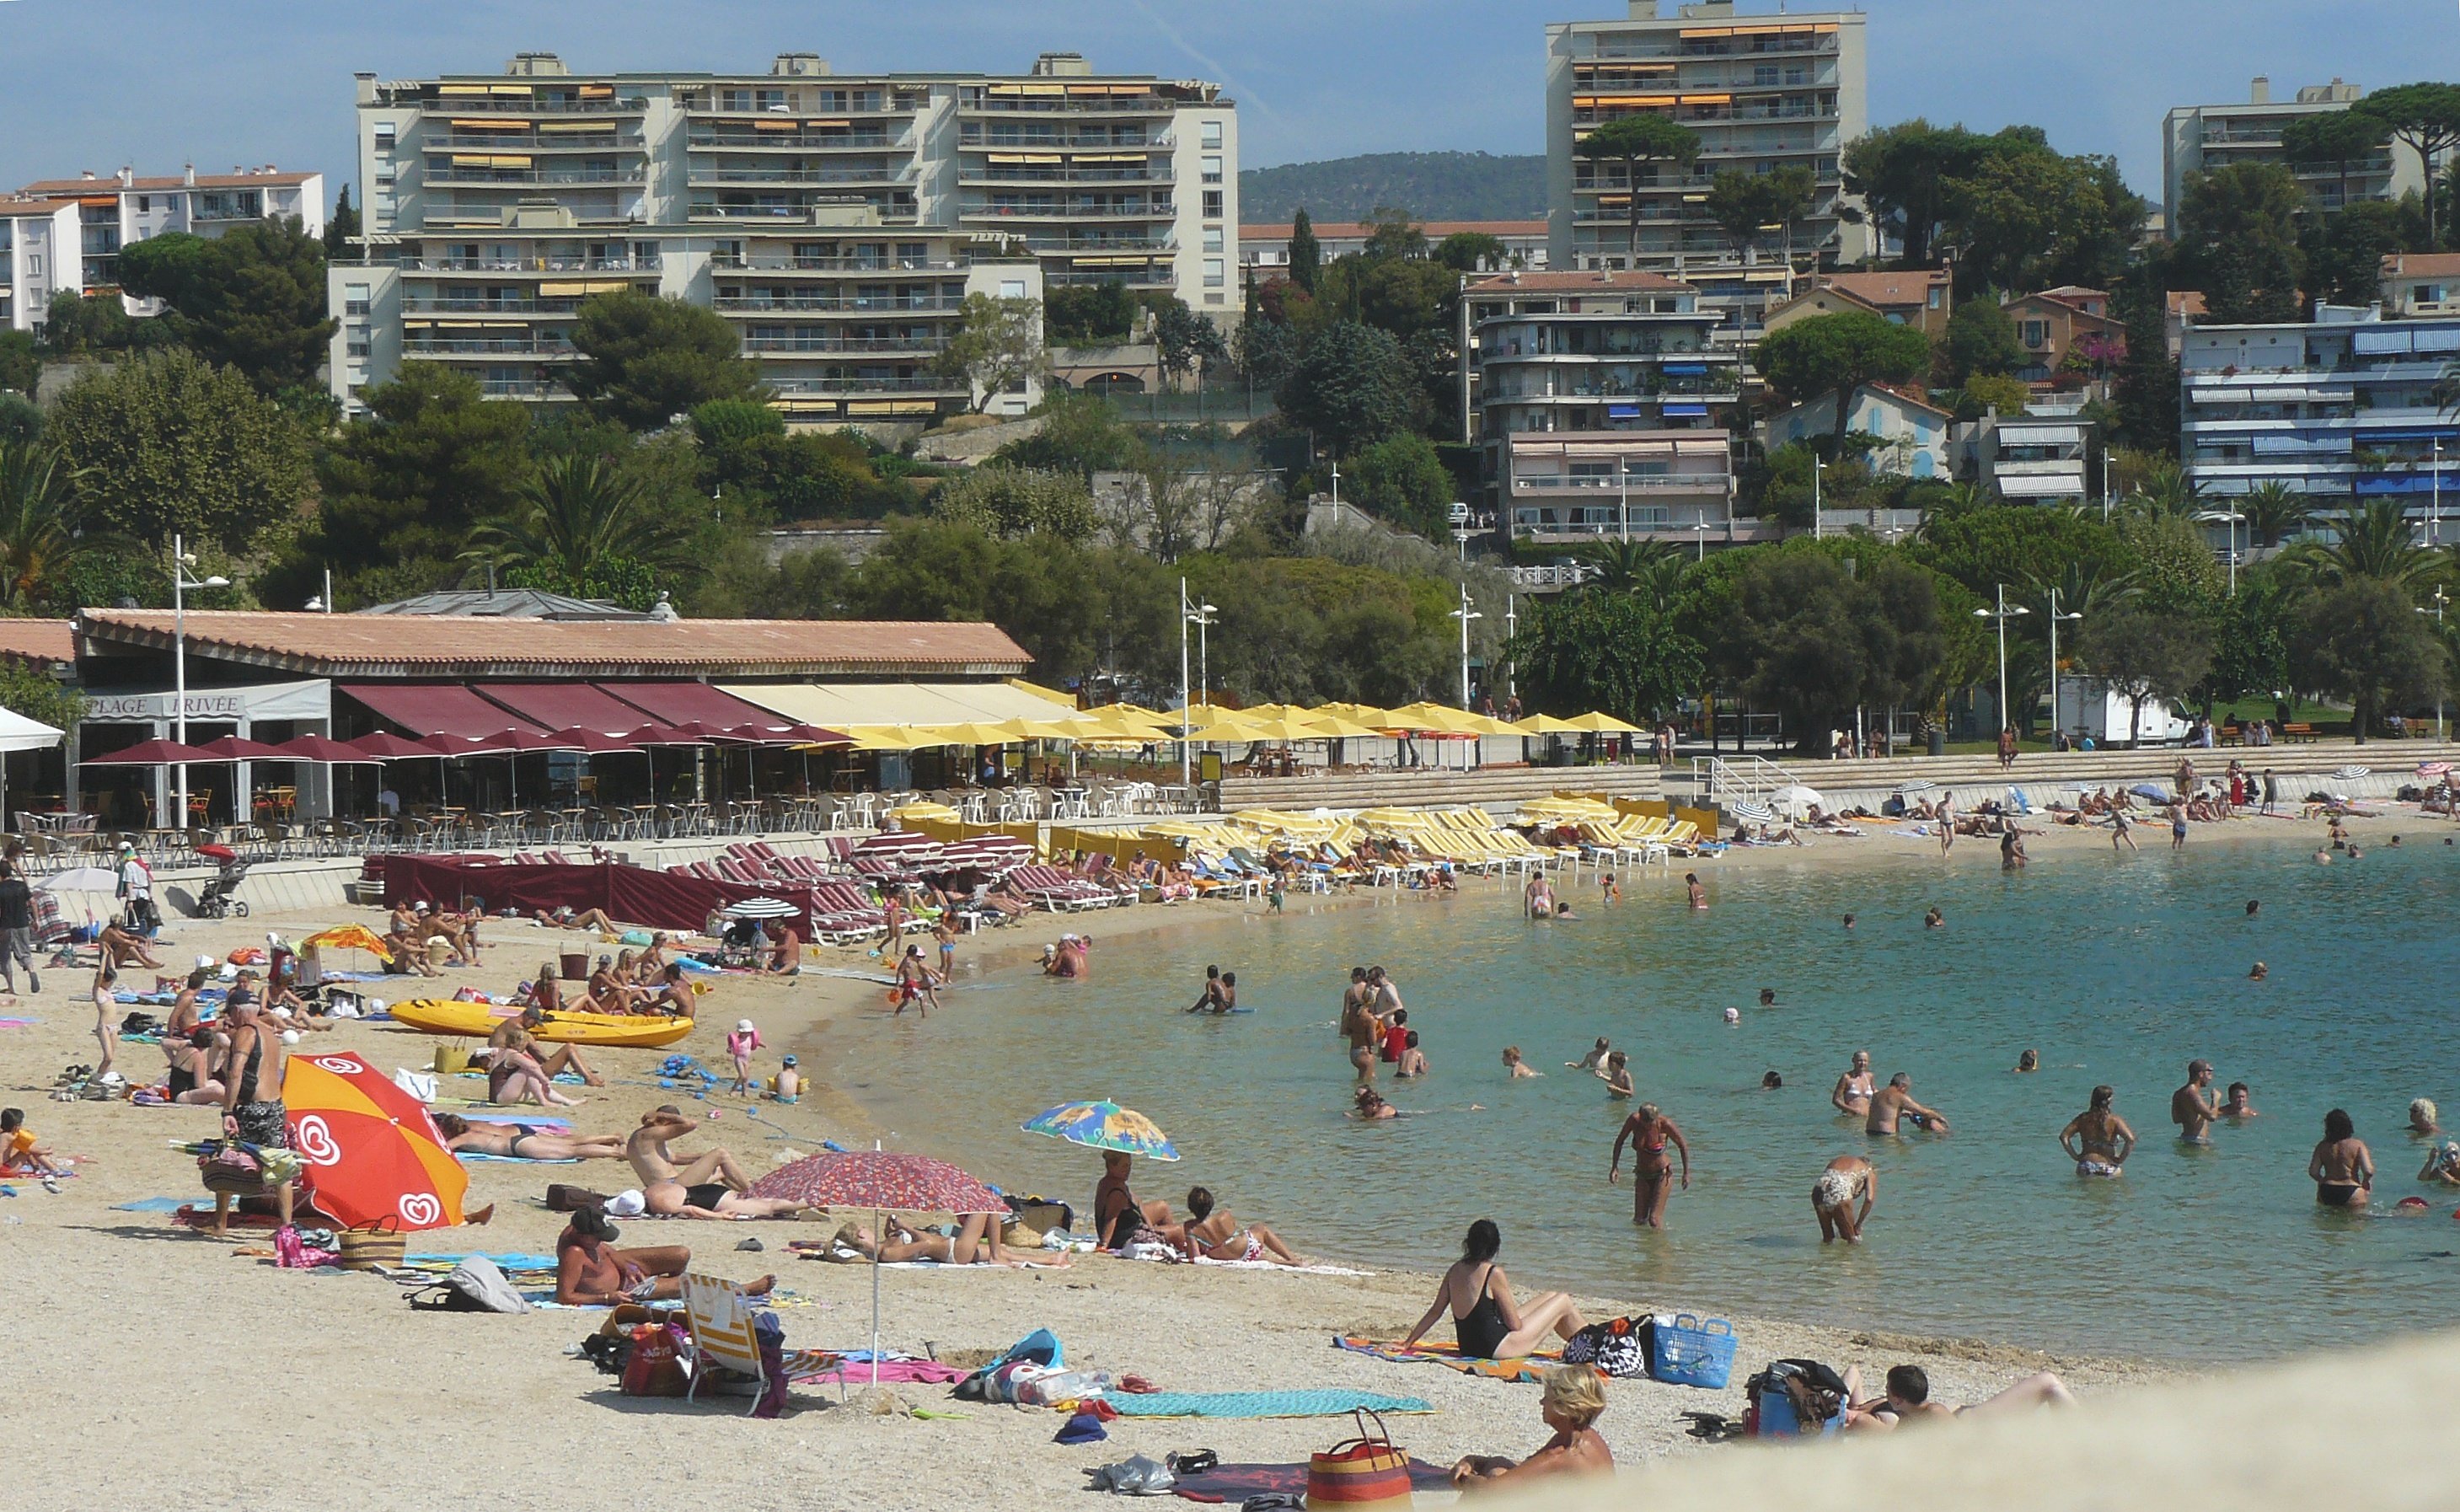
(2193, 1107)
(1895, 1102)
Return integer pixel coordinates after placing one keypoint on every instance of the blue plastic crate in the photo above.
(1692, 1351)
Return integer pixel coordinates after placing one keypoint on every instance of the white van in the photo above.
(2090, 706)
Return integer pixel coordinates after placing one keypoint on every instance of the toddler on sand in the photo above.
(739, 1047)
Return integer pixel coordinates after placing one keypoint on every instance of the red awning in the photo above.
(564, 706)
(437, 709)
(693, 703)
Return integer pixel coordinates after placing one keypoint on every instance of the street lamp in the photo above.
(1816, 468)
(2441, 599)
(181, 583)
(2055, 618)
(1189, 613)
(2231, 515)
(1465, 614)
(1699, 536)
(2105, 484)
(2434, 520)
(2006, 719)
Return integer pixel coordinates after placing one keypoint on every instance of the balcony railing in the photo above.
(1005, 172)
(1637, 482)
(726, 262)
(1720, 387)
(895, 210)
(1068, 212)
(491, 307)
(1155, 273)
(485, 346)
(534, 265)
(701, 173)
(918, 384)
(516, 177)
(1069, 104)
(1089, 248)
(752, 305)
(816, 342)
(510, 105)
(611, 140)
(806, 142)
(1048, 139)
(521, 388)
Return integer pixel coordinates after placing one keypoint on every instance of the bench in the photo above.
(2231, 735)
(2293, 734)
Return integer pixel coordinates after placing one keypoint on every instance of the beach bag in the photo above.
(1693, 1353)
(231, 1171)
(418, 1084)
(373, 1246)
(1792, 1398)
(1619, 1348)
(655, 1367)
(1368, 1471)
(293, 1252)
(474, 1286)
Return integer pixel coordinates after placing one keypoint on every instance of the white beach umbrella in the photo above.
(761, 908)
(1795, 800)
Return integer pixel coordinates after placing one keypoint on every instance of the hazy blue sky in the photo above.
(97, 83)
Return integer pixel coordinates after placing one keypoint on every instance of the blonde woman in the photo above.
(1572, 1400)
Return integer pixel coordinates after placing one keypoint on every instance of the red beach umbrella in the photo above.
(371, 1152)
(232, 748)
(155, 753)
(325, 750)
(385, 746)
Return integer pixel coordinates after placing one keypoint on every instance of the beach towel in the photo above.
(159, 1205)
(474, 1156)
(536, 1120)
(1236, 1483)
(849, 1373)
(505, 1263)
(1522, 1368)
(1322, 1401)
(1273, 1265)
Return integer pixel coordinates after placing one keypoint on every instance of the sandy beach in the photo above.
(149, 1357)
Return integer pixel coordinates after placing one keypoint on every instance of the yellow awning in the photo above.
(606, 126)
(1108, 156)
(483, 159)
(496, 123)
(1065, 701)
(845, 706)
(461, 91)
(512, 90)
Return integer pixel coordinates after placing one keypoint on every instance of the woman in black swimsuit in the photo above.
(2342, 1167)
(1485, 1320)
(524, 1142)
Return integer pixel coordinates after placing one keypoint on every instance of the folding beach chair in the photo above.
(720, 1317)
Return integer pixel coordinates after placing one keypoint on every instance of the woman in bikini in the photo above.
(2098, 1139)
(1486, 1322)
(977, 1240)
(2342, 1167)
(520, 1141)
(1851, 1097)
(1214, 1233)
(1650, 1132)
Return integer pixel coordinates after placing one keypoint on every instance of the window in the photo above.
(358, 346)
(385, 137)
(354, 299)
(1212, 167)
(1212, 134)
(1213, 205)
(1215, 299)
(2035, 333)
(1214, 274)
(1012, 289)
(1212, 239)
(1936, 295)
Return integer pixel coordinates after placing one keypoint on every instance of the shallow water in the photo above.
(2118, 970)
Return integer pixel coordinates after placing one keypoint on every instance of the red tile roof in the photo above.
(1350, 230)
(14, 208)
(374, 646)
(108, 183)
(37, 640)
(1571, 282)
(1887, 290)
(2421, 264)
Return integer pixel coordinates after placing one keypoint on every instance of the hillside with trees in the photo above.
(1436, 186)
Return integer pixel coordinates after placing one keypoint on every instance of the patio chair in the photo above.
(719, 1316)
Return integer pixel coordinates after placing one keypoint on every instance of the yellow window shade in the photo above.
(512, 90)
(490, 159)
(1690, 31)
(597, 91)
(838, 124)
(775, 126)
(605, 126)
(603, 287)
(561, 290)
(461, 91)
(1632, 101)
(1708, 100)
(413, 323)
(1108, 156)
(491, 125)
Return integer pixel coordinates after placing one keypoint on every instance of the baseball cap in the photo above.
(789, 1060)
(628, 1203)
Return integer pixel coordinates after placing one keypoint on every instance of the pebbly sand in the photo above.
(146, 1360)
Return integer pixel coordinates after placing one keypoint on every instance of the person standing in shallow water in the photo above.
(2098, 1139)
(1651, 1132)
(2193, 1108)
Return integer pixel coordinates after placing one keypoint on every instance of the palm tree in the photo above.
(40, 518)
(1651, 569)
(2273, 511)
(576, 515)
(2164, 492)
(2370, 540)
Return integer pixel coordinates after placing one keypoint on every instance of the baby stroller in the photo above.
(216, 901)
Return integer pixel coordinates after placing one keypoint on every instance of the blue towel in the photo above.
(1327, 1401)
(159, 1204)
(507, 1159)
(514, 1262)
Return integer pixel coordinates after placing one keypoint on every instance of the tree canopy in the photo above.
(1644, 137)
(646, 360)
(167, 442)
(253, 298)
(1839, 353)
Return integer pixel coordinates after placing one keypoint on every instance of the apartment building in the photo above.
(1592, 395)
(1764, 91)
(39, 257)
(122, 209)
(2339, 408)
(2029, 458)
(2196, 138)
(1266, 247)
(839, 221)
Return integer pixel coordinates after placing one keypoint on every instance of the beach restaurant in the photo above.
(601, 709)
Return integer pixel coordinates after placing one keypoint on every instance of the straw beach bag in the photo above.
(373, 1246)
(1365, 1472)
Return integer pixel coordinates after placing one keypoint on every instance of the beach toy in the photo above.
(476, 1020)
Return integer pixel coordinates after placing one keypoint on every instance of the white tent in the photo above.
(17, 732)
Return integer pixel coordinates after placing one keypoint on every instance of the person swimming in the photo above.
(2029, 1060)
(2342, 1167)
(1591, 1061)
(1935, 919)
(1618, 1076)
(1369, 1105)
(1517, 1066)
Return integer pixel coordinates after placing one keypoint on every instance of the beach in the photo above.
(139, 1335)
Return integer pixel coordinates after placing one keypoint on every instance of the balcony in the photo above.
(820, 342)
(799, 140)
(1153, 275)
(485, 346)
(704, 175)
(1018, 173)
(535, 265)
(610, 139)
(528, 105)
(1049, 139)
(1714, 389)
(919, 383)
(898, 208)
(728, 262)
(522, 388)
(1068, 212)
(491, 307)
(1049, 246)
(851, 303)
(1637, 482)
(519, 177)
(1066, 105)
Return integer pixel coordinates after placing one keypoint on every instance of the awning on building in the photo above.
(837, 705)
(2041, 436)
(681, 703)
(567, 706)
(2042, 485)
(440, 708)
(309, 699)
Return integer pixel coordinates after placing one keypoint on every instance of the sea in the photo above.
(2117, 968)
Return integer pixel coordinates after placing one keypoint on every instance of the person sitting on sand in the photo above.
(1118, 1215)
(2098, 1139)
(1617, 1075)
(1896, 1101)
(1908, 1399)
(1487, 1322)
(674, 994)
(121, 949)
(710, 1184)
(20, 1152)
(1214, 1233)
(591, 1272)
(1849, 1178)
(520, 1035)
(1571, 1401)
(594, 920)
(405, 955)
(515, 1071)
(1516, 1067)
(195, 1061)
(1369, 1103)
(520, 1141)
(2342, 1167)
(786, 952)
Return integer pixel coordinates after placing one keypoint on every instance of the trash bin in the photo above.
(576, 965)
(1939, 742)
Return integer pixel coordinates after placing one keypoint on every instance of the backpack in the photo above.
(474, 1286)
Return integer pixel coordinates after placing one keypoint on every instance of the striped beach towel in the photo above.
(1329, 1401)
(1522, 1368)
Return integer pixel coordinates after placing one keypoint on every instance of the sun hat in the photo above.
(743, 1026)
(628, 1203)
(1082, 1429)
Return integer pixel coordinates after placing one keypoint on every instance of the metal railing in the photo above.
(1745, 778)
(492, 306)
(615, 140)
(1638, 483)
(819, 342)
(536, 264)
(480, 346)
(906, 385)
(724, 261)
(972, 135)
(742, 304)
(515, 178)
(490, 105)
(1069, 104)
(705, 210)
(865, 141)
(998, 173)
(1066, 212)
(701, 173)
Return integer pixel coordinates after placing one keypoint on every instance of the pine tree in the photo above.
(1305, 256)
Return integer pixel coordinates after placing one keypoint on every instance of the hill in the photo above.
(1431, 185)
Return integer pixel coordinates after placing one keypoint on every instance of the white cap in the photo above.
(628, 1203)
(743, 1026)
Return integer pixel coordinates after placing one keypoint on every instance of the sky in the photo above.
(156, 84)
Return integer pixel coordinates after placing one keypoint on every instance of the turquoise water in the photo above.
(2118, 970)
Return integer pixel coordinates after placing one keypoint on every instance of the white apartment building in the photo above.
(123, 209)
(1764, 91)
(2029, 458)
(38, 258)
(1592, 395)
(839, 222)
(2196, 138)
(2339, 408)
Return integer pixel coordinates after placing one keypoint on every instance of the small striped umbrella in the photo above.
(761, 908)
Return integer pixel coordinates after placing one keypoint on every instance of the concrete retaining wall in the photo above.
(1494, 787)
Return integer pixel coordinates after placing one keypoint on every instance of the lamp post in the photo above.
(1511, 632)
(1623, 487)
(2006, 719)
(181, 583)
(1816, 468)
(1465, 614)
(2055, 618)
(2441, 599)
(1700, 536)
(2232, 516)
(2435, 520)
(2105, 483)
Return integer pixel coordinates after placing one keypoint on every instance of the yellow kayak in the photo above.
(437, 1015)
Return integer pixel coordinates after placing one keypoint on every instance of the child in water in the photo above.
(1608, 889)
(1515, 1064)
(1412, 1063)
(1618, 1076)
